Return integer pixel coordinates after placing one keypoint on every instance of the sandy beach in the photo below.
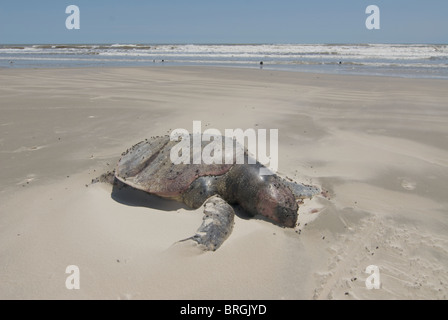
(376, 146)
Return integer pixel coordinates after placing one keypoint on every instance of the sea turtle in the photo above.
(148, 166)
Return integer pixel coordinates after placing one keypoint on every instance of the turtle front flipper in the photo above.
(217, 224)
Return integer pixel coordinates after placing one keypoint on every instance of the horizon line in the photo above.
(223, 43)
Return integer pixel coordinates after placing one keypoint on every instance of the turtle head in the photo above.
(277, 203)
(286, 215)
(265, 195)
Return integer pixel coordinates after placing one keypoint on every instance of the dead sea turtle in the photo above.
(147, 166)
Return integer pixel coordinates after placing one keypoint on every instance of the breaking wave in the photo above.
(397, 59)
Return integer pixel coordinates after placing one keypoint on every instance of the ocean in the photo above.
(402, 60)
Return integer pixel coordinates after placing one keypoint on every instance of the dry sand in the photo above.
(378, 146)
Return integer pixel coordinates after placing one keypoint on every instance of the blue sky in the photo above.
(223, 21)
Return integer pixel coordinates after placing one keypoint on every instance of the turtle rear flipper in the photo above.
(216, 226)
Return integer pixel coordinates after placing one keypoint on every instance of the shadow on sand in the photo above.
(133, 197)
(130, 196)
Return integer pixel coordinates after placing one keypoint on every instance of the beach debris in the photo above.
(147, 166)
